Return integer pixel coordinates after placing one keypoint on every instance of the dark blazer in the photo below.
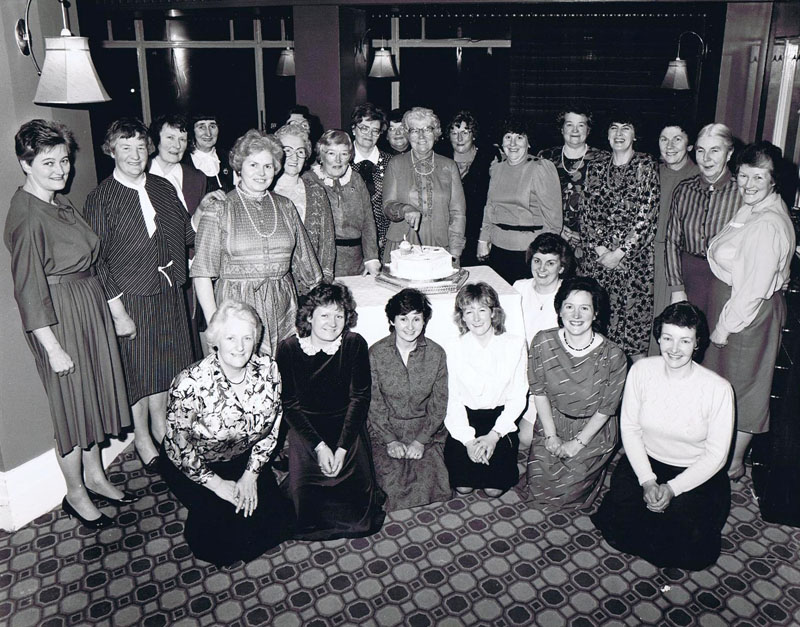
(129, 260)
(223, 180)
(194, 186)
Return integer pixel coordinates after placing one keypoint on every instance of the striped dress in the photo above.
(148, 273)
(576, 388)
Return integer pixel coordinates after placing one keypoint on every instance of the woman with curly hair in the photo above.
(326, 395)
(254, 244)
(422, 192)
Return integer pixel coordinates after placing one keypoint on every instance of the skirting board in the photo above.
(37, 486)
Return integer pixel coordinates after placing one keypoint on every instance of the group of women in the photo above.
(103, 297)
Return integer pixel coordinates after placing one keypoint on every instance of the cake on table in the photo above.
(426, 268)
(421, 263)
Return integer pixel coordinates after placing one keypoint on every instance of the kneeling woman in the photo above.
(326, 394)
(222, 423)
(669, 495)
(487, 390)
(576, 378)
(409, 401)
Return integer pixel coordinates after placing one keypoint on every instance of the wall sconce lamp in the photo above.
(285, 65)
(382, 65)
(677, 76)
(68, 76)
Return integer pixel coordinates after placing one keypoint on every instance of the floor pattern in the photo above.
(470, 561)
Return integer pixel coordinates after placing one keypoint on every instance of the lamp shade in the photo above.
(382, 65)
(68, 75)
(285, 65)
(676, 77)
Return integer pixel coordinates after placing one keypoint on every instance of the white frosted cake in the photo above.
(421, 263)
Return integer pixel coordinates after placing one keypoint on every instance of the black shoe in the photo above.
(127, 497)
(101, 522)
(151, 466)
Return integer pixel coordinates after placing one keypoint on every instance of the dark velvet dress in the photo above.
(326, 398)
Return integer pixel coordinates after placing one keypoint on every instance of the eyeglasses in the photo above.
(461, 133)
(416, 132)
(368, 130)
(300, 153)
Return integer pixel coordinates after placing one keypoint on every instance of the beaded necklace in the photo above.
(242, 195)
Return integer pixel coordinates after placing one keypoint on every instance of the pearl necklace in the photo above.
(577, 350)
(578, 165)
(243, 195)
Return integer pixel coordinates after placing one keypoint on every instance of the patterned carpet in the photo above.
(470, 561)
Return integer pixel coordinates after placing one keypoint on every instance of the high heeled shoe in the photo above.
(101, 522)
(127, 497)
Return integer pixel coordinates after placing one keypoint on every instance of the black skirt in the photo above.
(501, 473)
(214, 531)
(688, 534)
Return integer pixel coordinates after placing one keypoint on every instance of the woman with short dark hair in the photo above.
(571, 160)
(253, 247)
(669, 495)
(750, 259)
(524, 198)
(618, 223)
(576, 379)
(145, 233)
(473, 159)
(326, 397)
(409, 402)
(367, 124)
(67, 323)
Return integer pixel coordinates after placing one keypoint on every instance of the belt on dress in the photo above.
(698, 255)
(356, 241)
(517, 227)
(55, 279)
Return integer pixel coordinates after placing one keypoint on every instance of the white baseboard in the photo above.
(37, 486)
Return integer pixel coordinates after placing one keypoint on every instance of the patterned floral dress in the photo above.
(572, 176)
(576, 388)
(258, 250)
(212, 431)
(619, 210)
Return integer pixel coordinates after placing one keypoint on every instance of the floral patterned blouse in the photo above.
(206, 421)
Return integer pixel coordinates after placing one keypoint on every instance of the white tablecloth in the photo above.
(371, 298)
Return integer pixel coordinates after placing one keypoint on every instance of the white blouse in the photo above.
(752, 254)
(485, 377)
(538, 310)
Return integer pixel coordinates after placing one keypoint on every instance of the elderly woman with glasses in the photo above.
(308, 197)
(422, 191)
(367, 123)
(356, 238)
